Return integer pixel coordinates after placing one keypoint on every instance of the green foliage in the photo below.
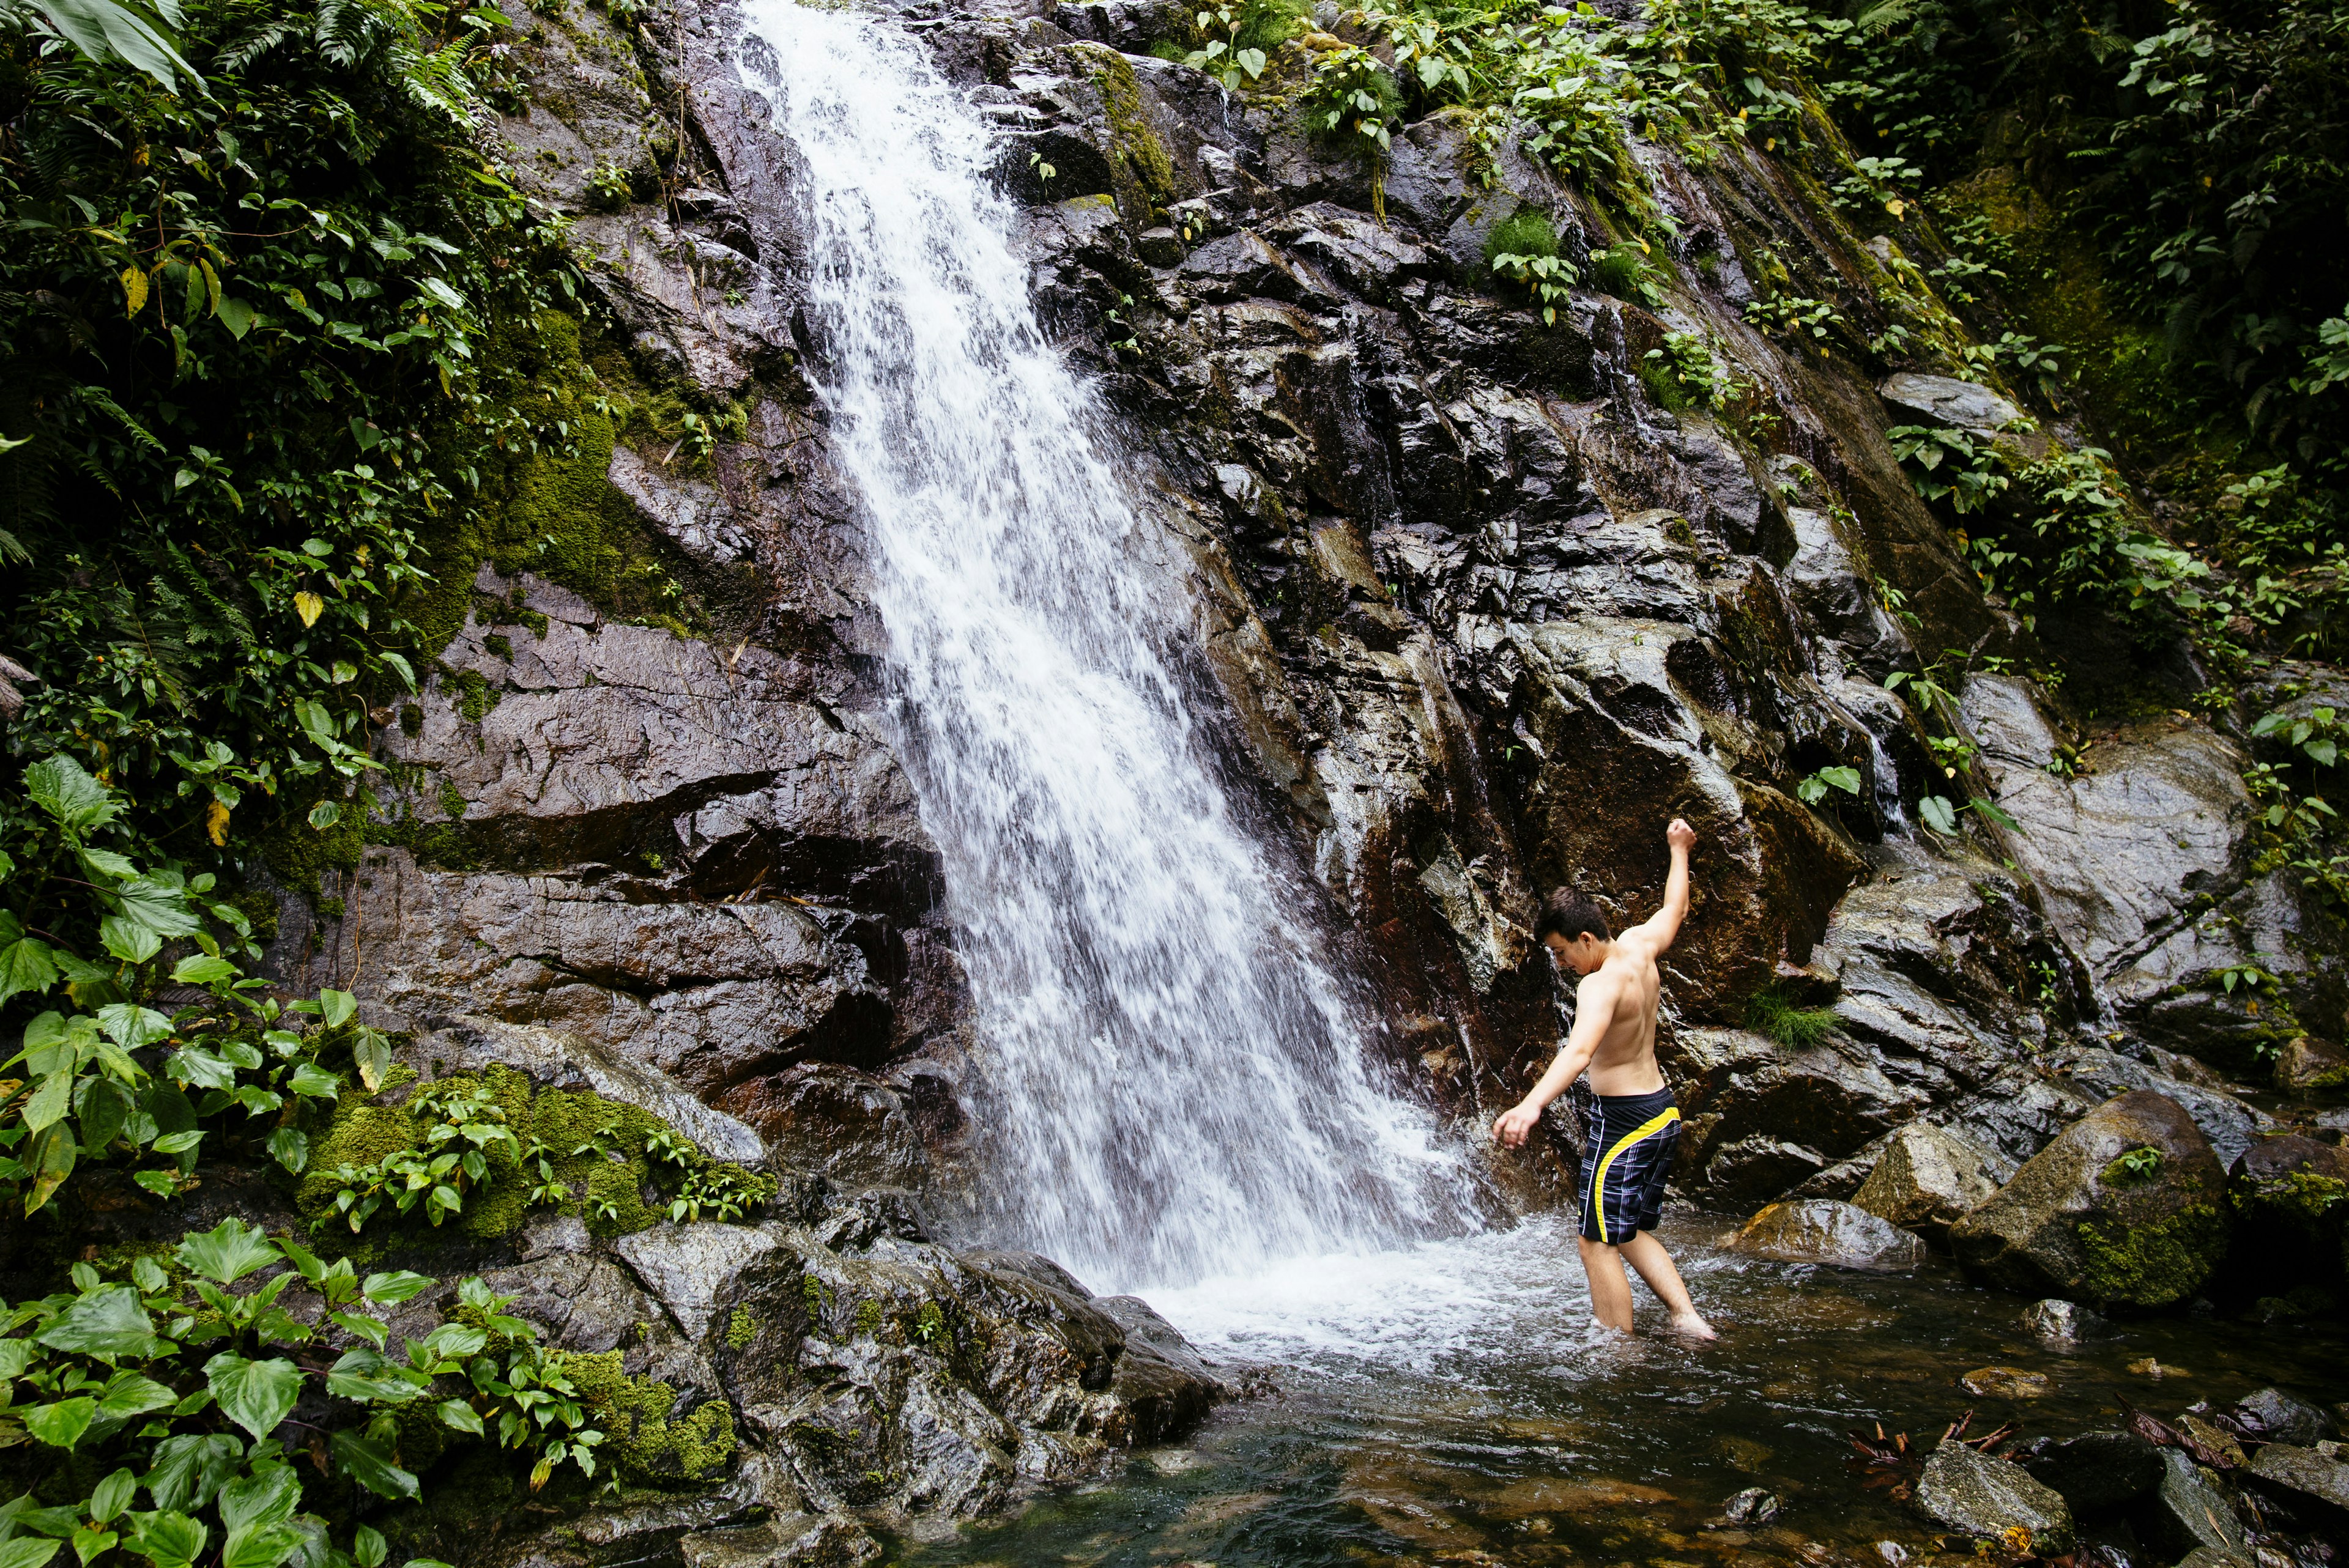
(112, 1077)
(1353, 101)
(2155, 1263)
(1625, 271)
(649, 1441)
(2133, 1168)
(1770, 1013)
(1814, 788)
(1796, 316)
(238, 341)
(1685, 373)
(1527, 231)
(173, 1384)
(1230, 59)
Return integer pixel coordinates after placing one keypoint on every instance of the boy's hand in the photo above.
(1510, 1128)
(1680, 835)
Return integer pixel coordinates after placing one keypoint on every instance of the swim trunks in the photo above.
(1627, 1150)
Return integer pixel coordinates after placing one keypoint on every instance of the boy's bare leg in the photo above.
(1611, 1288)
(1655, 1265)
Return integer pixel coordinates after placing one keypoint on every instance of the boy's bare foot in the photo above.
(1689, 1326)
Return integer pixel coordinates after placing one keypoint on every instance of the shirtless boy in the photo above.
(1632, 1125)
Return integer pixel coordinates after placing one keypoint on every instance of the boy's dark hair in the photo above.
(1567, 913)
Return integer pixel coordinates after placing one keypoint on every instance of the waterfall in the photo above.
(1175, 1082)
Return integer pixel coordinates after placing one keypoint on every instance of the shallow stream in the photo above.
(1448, 1403)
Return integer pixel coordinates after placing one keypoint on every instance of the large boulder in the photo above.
(2123, 1209)
(2315, 1479)
(1991, 1498)
(1822, 1230)
(2191, 1511)
(1926, 1179)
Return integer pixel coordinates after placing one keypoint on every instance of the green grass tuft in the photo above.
(1797, 1028)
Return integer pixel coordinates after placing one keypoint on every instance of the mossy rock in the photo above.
(2121, 1210)
(646, 1437)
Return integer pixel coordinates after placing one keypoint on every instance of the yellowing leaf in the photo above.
(1895, 206)
(134, 291)
(309, 606)
(211, 285)
(216, 822)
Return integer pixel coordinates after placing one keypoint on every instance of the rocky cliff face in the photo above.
(1483, 611)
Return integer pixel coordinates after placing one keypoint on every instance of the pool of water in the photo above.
(1451, 1403)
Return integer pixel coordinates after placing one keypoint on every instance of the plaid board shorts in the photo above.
(1627, 1150)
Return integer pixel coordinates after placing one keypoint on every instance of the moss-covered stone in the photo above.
(2153, 1264)
(1134, 146)
(645, 1437)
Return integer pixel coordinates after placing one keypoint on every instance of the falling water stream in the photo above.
(1175, 1092)
(1174, 1073)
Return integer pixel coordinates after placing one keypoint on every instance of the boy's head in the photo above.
(1571, 927)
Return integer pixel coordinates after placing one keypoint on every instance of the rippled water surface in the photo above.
(1449, 1404)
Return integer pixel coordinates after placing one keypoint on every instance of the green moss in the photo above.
(411, 719)
(2152, 1264)
(812, 1291)
(645, 1440)
(452, 801)
(499, 644)
(868, 1318)
(1134, 145)
(740, 1329)
(300, 855)
(475, 695)
(259, 909)
(2302, 1194)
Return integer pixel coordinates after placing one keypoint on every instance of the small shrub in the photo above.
(1527, 231)
(1773, 1013)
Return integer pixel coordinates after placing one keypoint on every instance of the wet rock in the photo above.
(2212, 1557)
(2229, 1124)
(690, 1267)
(2124, 1207)
(1926, 1179)
(1761, 1118)
(2273, 1416)
(2304, 1475)
(2303, 1064)
(1821, 1231)
(1159, 1379)
(1755, 1505)
(787, 1541)
(1942, 400)
(2095, 1471)
(2191, 1510)
(2061, 1325)
(1988, 1497)
(836, 1122)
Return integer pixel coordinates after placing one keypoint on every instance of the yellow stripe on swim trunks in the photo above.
(1645, 1129)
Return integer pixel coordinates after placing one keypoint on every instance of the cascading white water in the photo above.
(1176, 1077)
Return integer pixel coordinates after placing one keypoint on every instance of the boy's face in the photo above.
(1584, 954)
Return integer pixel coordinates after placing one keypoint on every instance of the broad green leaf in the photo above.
(368, 1547)
(162, 904)
(128, 940)
(133, 1028)
(62, 1424)
(314, 1082)
(372, 1053)
(453, 1341)
(227, 1252)
(461, 1416)
(177, 1142)
(261, 1546)
(366, 1457)
(290, 1147)
(371, 1329)
(27, 964)
(49, 1102)
(130, 1393)
(169, 1538)
(369, 1375)
(27, 1553)
(61, 786)
(1938, 813)
(109, 30)
(90, 1541)
(189, 1470)
(255, 1395)
(391, 1289)
(106, 1107)
(236, 315)
(48, 1158)
(109, 1321)
(198, 1066)
(203, 970)
(113, 1495)
(337, 1008)
(19, 1514)
(266, 1497)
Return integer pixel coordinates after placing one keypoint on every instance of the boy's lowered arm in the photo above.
(1594, 1009)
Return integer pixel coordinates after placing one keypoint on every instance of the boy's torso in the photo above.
(1625, 1060)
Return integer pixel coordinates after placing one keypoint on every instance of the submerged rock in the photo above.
(1755, 1505)
(1989, 1497)
(2123, 1208)
(2006, 1382)
(2061, 1324)
(1926, 1179)
(1822, 1230)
